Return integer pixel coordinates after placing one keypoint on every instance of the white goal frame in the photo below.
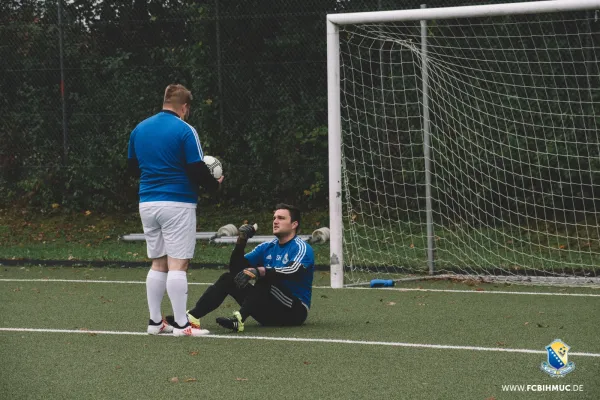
(334, 104)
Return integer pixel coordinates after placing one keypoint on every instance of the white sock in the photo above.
(177, 288)
(156, 284)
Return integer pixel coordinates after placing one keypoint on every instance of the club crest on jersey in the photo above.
(558, 364)
(269, 257)
(285, 259)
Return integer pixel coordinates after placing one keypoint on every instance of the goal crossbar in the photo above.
(551, 6)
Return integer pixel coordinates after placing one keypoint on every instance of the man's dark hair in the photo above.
(294, 213)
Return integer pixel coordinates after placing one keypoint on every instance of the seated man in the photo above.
(283, 271)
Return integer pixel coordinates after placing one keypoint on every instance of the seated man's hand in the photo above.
(246, 231)
(244, 276)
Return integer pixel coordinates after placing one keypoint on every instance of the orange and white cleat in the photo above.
(159, 328)
(188, 330)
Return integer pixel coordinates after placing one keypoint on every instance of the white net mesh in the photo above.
(514, 111)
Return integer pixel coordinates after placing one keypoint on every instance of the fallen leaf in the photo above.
(479, 289)
(241, 379)
(174, 380)
(306, 363)
(391, 303)
(88, 212)
(526, 323)
(190, 380)
(194, 353)
(55, 205)
(541, 326)
(501, 343)
(118, 367)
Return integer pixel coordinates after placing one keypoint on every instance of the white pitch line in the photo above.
(89, 281)
(471, 291)
(309, 340)
(323, 287)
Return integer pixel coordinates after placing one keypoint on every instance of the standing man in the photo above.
(165, 153)
(283, 269)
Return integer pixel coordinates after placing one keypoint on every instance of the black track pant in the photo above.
(269, 304)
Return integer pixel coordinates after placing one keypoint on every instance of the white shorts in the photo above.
(169, 229)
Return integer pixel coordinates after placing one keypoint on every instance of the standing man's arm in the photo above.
(196, 169)
(133, 166)
(200, 175)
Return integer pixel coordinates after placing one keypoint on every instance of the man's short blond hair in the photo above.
(177, 95)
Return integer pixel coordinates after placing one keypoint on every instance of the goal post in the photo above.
(334, 145)
(465, 141)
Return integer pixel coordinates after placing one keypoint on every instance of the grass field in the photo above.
(79, 333)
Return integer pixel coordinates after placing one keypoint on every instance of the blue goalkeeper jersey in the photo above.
(163, 145)
(294, 259)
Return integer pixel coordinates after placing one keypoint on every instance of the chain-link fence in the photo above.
(77, 76)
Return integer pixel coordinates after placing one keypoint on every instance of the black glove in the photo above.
(244, 276)
(246, 231)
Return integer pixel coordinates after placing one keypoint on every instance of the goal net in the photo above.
(468, 145)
